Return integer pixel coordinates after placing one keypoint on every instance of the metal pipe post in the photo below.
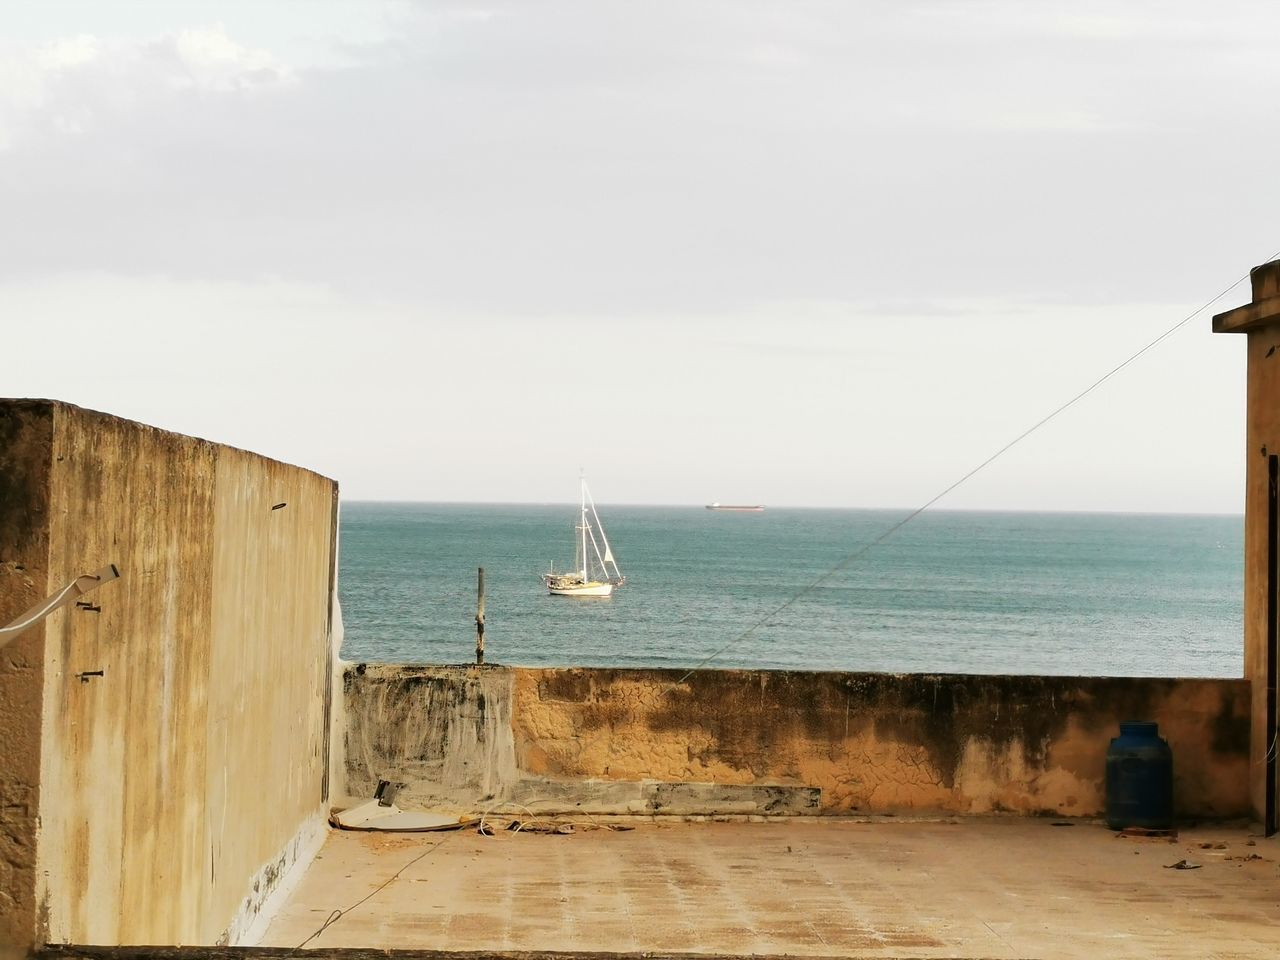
(480, 615)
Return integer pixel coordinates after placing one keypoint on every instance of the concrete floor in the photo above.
(973, 888)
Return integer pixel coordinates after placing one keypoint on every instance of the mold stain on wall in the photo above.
(873, 743)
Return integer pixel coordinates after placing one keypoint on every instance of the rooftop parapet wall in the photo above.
(180, 728)
(872, 743)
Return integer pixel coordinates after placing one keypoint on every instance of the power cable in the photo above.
(825, 576)
(338, 914)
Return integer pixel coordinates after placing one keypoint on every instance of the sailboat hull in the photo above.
(590, 589)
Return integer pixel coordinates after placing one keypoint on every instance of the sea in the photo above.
(812, 589)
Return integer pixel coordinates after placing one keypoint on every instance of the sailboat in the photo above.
(596, 572)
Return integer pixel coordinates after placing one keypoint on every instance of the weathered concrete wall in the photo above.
(26, 450)
(445, 733)
(179, 786)
(1260, 320)
(873, 743)
(270, 677)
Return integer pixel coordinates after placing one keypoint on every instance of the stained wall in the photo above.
(1260, 321)
(26, 452)
(182, 730)
(872, 743)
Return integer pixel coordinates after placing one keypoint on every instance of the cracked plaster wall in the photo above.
(881, 743)
(873, 743)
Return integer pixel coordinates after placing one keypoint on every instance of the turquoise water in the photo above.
(959, 592)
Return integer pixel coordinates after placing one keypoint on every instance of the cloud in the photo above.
(212, 61)
(603, 159)
(68, 53)
(74, 84)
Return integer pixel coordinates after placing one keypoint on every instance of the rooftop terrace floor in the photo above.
(819, 887)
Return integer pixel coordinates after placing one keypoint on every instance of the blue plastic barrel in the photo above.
(1139, 778)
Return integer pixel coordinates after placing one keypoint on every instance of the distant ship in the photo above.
(738, 507)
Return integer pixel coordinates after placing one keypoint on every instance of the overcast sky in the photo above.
(795, 253)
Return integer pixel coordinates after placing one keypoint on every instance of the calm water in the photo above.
(1090, 594)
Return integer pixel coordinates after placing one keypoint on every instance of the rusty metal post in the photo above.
(480, 615)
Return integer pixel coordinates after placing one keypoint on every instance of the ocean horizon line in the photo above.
(1048, 511)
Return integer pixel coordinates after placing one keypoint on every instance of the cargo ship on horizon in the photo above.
(737, 507)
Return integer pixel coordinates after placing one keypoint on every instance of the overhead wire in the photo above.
(533, 821)
(338, 914)
(890, 531)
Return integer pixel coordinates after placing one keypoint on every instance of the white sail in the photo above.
(607, 561)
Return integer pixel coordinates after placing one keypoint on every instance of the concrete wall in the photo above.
(872, 743)
(176, 789)
(1260, 320)
(26, 445)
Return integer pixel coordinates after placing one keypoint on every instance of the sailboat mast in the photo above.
(582, 528)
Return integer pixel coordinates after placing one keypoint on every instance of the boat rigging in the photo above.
(596, 572)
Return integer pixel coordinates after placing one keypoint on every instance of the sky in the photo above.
(794, 253)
